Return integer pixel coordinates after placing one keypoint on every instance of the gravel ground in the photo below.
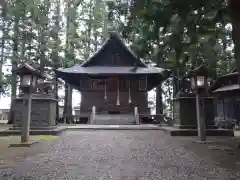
(118, 155)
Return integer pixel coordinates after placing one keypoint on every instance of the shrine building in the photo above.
(113, 80)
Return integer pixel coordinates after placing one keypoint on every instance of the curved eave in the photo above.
(227, 88)
(221, 79)
(111, 70)
(73, 78)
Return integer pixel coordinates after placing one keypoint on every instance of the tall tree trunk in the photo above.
(54, 55)
(105, 25)
(96, 11)
(234, 7)
(23, 48)
(159, 103)
(69, 52)
(159, 100)
(2, 60)
(42, 52)
(14, 66)
(43, 35)
(65, 107)
(89, 31)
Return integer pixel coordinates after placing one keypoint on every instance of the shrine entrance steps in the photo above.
(113, 119)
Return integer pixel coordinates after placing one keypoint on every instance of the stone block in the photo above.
(185, 116)
(25, 144)
(43, 112)
(209, 132)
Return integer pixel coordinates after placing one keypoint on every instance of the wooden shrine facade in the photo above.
(226, 91)
(114, 94)
(113, 80)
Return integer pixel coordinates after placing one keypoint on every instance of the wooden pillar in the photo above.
(118, 93)
(159, 105)
(129, 92)
(105, 89)
(234, 6)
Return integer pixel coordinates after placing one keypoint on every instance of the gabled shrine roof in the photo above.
(88, 69)
(129, 65)
(113, 37)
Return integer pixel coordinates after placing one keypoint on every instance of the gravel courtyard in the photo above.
(118, 155)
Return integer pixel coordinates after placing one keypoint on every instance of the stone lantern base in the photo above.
(43, 112)
(185, 115)
(185, 118)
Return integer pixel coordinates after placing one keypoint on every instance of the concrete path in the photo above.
(117, 155)
(114, 127)
(5, 131)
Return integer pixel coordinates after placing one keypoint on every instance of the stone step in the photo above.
(114, 119)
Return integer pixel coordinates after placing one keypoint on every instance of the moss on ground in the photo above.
(43, 137)
(10, 155)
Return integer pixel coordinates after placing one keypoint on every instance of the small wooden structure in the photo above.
(113, 80)
(44, 104)
(226, 91)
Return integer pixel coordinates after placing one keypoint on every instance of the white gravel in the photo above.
(118, 155)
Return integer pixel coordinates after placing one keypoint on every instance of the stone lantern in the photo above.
(28, 77)
(185, 106)
(28, 81)
(39, 110)
(199, 79)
